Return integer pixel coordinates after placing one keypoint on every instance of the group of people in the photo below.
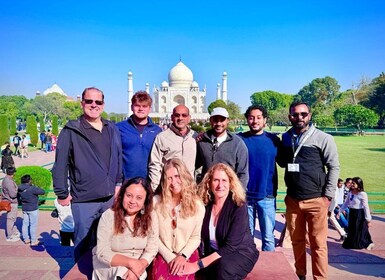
(47, 139)
(208, 188)
(28, 195)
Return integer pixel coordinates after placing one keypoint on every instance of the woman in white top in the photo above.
(180, 213)
(359, 217)
(127, 237)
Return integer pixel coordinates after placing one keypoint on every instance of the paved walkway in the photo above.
(51, 261)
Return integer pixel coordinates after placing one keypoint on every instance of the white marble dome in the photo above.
(164, 84)
(194, 84)
(180, 76)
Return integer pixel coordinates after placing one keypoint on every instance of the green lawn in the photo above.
(362, 156)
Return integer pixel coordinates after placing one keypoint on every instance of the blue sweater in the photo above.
(263, 150)
(136, 147)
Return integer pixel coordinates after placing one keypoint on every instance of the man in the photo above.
(263, 179)
(16, 142)
(9, 189)
(48, 142)
(138, 133)
(42, 139)
(178, 141)
(307, 152)
(221, 146)
(89, 157)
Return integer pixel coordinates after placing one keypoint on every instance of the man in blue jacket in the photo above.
(88, 168)
(138, 133)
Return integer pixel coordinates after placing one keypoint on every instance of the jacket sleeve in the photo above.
(239, 226)
(242, 168)
(103, 249)
(330, 154)
(11, 188)
(365, 205)
(38, 191)
(119, 175)
(155, 164)
(61, 166)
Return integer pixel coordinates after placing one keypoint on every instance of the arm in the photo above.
(155, 164)
(152, 241)
(11, 187)
(332, 164)
(61, 166)
(365, 204)
(242, 168)
(38, 191)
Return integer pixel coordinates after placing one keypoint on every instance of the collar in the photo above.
(220, 139)
(87, 125)
(177, 132)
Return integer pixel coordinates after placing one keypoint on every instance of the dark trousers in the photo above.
(66, 238)
(17, 152)
(86, 218)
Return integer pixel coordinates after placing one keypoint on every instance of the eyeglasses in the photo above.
(177, 115)
(174, 222)
(90, 101)
(296, 115)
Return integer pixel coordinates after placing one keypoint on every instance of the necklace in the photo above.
(216, 211)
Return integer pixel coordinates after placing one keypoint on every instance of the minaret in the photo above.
(218, 91)
(224, 87)
(130, 93)
(148, 88)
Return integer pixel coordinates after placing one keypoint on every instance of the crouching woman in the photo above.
(127, 237)
(228, 250)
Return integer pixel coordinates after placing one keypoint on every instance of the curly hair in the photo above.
(236, 188)
(142, 221)
(189, 195)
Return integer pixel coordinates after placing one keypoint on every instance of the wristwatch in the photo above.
(200, 264)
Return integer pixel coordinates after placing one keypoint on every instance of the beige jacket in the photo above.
(168, 145)
(185, 239)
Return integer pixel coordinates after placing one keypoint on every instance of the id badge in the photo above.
(293, 167)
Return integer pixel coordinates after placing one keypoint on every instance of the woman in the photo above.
(7, 160)
(229, 251)
(180, 212)
(127, 234)
(24, 147)
(359, 217)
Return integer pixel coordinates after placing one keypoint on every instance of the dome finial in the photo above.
(180, 58)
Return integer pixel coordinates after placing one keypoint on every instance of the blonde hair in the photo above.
(189, 195)
(235, 186)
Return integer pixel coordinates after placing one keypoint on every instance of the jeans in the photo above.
(343, 220)
(47, 147)
(30, 220)
(11, 220)
(264, 209)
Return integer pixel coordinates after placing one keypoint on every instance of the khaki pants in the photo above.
(310, 214)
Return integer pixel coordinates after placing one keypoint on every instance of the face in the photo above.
(300, 117)
(133, 200)
(219, 125)
(348, 184)
(180, 117)
(173, 181)
(340, 184)
(353, 186)
(93, 111)
(220, 184)
(256, 121)
(141, 110)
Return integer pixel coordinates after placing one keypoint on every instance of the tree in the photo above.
(32, 130)
(41, 122)
(55, 125)
(234, 110)
(4, 131)
(12, 125)
(215, 104)
(51, 104)
(13, 105)
(269, 99)
(376, 98)
(278, 117)
(355, 115)
(319, 91)
(73, 110)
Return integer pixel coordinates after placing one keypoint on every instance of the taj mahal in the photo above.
(181, 88)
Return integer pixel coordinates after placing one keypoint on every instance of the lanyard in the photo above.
(302, 141)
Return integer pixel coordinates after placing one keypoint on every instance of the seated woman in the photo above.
(229, 251)
(127, 237)
(180, 214)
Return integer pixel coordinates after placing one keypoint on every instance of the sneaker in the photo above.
(27, 241)
(343, 237)
(36, 243)
(12, 238)
(370, 247)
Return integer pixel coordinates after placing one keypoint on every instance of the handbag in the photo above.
(5, 205)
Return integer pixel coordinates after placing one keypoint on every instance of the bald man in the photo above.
(178, 141)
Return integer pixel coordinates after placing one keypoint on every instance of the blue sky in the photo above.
(274, 45)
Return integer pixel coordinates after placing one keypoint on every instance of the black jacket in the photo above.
(29, 197)
(77, 161)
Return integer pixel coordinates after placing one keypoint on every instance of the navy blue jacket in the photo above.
(29, 197)
(77, 161)
(136, 147)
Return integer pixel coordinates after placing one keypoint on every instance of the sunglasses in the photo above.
(296, 115)
(177, 115)
(174, 222)
(90, 101)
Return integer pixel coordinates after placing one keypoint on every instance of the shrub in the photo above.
(198, 128)
(4, 131)
(42, 124)
(32, 130)
(41, 177)
(55, 125)
(12, 125)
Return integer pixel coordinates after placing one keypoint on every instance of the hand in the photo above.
(190, 268)
(129, 275)
(177, 265)
(338, 215)
(117, 189)
(199, 137)
(137, 267)
(368, 224)
(66, 201)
